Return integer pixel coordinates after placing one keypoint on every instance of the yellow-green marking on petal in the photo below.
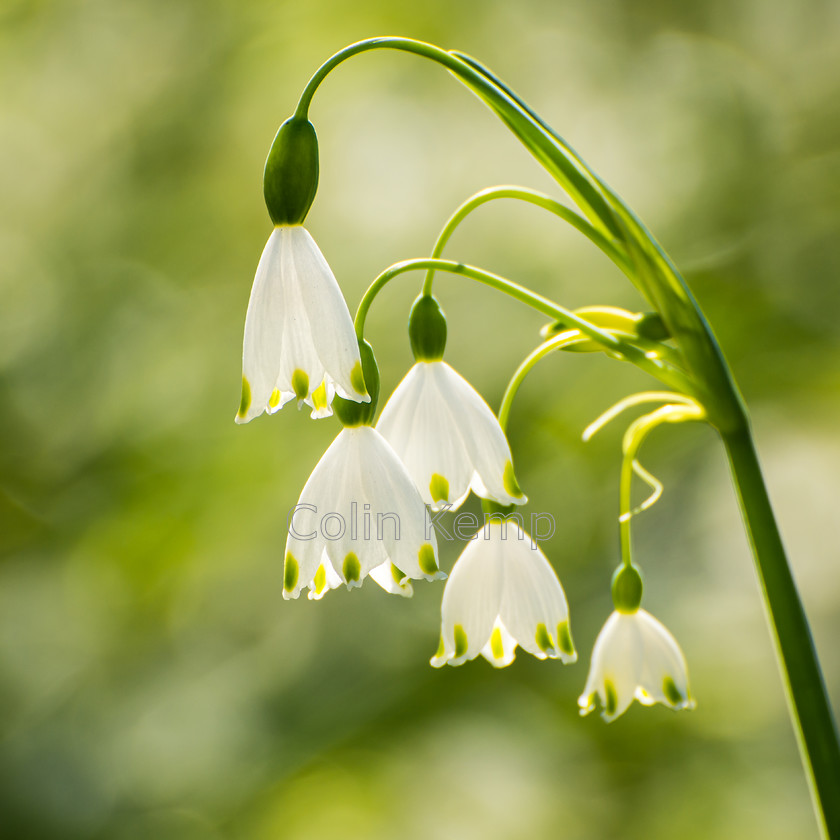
(397, 574)
(543, 638)
(564, 638)
(611, 701)
(509, 481)
(351, 567)
(670, 690)
(496, 645)
(427, 560)
(357, 379)
(300, 383)
(274, 399)
(319, 397)
(290, 572)
(460, 640)
(320, 579)
(441, 648)
(439, 488)
(245, 399)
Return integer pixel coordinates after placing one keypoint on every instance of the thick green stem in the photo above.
(811, 710)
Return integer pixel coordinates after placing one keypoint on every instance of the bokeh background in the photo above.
(153, 683)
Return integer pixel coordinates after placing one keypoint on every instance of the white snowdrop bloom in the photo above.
(299, 338)
(359, 514)
(448, 438)
(635, 657)
(502, 591)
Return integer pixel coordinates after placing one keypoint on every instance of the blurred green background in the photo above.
(153, 683)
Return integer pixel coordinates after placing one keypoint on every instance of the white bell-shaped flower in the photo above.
(359, 514)
(299, 338)
(502, 591)
(448, 438)
(635, 657)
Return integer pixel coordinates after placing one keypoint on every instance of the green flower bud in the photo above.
(627, 588)
(427, 329)
(352, 413)
(290, 180)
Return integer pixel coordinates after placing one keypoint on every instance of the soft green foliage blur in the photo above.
(153, 683)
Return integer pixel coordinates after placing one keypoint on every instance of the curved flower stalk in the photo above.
(503, 592)
(448, 438)
(635, 658)
(299, 339)
(359, 514)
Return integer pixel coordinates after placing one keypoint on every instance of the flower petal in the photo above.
(263, 342)
(486, 443)
(617, 660)
(326, 314)
(471, 601)
(534, 607)
(401, 521)
(392, 580)
(500, 651)
(664, 676)
(422, 427)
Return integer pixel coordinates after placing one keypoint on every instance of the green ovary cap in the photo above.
(671, 692)
(611, 698)
(543, 638)
(365, 380)
(319, 396)
(357, 379)
(290, 180)
(300, 383)
(509, 481)
(290, 572)
(351, 567)
(564, 638)
(627, 588)
(439, 488)
(460, 640)
(427, 560)
(497, 647)
(427, 329)
(245, 399)
(320, 579)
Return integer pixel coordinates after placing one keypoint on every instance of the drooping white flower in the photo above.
(448, 438)
(299, 338)
(502, 591)
(359, 514)
(635, 657)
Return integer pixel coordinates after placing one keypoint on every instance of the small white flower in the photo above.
(299, 338)
(635, 657)
(502, 592)
(359, 514)
(448, 438)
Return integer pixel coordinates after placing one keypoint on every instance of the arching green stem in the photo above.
(653, 366)
(608, 246)
(586, 192)
(564, 339)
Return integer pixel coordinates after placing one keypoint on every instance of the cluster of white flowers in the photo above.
(435, 440)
